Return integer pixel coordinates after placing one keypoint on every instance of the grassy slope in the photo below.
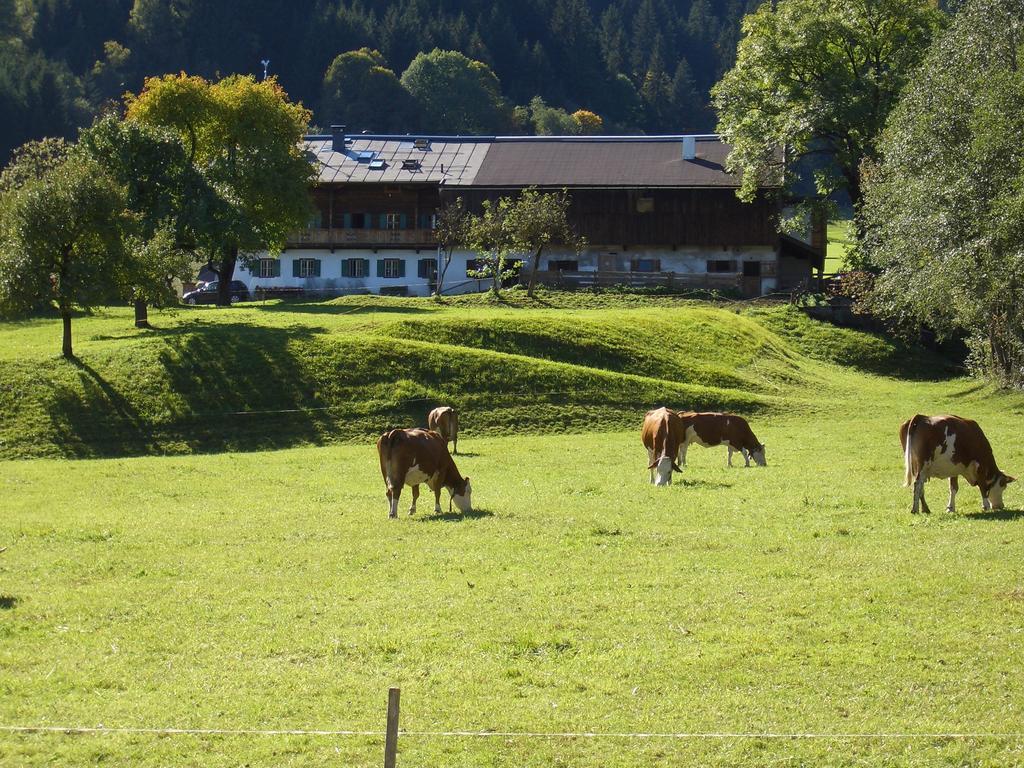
(283, 375)
(267, 590)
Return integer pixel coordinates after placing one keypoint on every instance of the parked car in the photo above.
(207, 294)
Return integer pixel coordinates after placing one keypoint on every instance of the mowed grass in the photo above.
(840, 241)
(267, 589)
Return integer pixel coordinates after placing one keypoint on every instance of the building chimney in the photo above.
(689, 147)
(338, 138)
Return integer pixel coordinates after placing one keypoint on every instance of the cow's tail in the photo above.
(387, 444)
(909, 470)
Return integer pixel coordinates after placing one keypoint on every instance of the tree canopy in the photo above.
(456, 94)
(944, 211)
(243, 137)
(818, 77)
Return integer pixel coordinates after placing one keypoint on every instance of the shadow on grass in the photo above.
(319, 308)
(7, 602)
(996, 514)
(226, 386)
(466, 455)
(700, 483)
(455, 516)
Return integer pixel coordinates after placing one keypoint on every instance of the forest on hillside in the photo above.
(641, 65)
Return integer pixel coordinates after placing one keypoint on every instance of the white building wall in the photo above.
(610, 258)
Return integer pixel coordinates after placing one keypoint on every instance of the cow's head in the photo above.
(994, 494)
(758, 456)
(663, 469)
(461, 496)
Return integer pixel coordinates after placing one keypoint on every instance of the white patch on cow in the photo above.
(693, 437)
(995, 493)
(415, 475)
(464, 502)
(663, 472)
(758, 457)
(942, 465)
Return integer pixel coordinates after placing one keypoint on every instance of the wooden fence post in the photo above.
(391, 737)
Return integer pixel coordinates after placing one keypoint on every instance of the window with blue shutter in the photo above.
(346, 220)
(383, 221)
(390, 268)
(366, 268)
(346, 267)
(403, 221)
(295, 267)
(426, 269)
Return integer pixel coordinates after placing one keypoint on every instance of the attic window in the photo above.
(364, 156)
(410, 165)
(423, 144)
(377, 165)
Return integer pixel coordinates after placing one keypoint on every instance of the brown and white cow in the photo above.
(445, 421)
(414, 456)
(662, 436)
(949, 446)
(711, 429)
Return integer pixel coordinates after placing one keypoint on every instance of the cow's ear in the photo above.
(1009, 479)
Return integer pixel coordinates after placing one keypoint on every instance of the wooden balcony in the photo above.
(374, 238)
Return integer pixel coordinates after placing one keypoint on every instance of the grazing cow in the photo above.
(414, 456)
(711, 429)
(948, 446)
(662, 435)
(445, 421)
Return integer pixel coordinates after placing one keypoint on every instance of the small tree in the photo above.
(61, 240)
(491, 239)
(536, 220)
(587, 123)
(452, 230)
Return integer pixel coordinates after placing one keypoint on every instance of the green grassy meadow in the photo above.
(167, 576)
(840, 240)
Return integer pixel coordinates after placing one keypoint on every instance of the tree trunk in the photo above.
(227, 271)
(65, 316)
(533, 272)
(141, 314)
(440, 277)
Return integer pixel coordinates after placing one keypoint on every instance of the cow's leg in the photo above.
(682, 454)
(455, 443)
(415, 495)
(437, 499)
(728, 461)
(919, 501)
(394, 491)
(954, 486)
(986, 505)
(650, 460)
(746, 457)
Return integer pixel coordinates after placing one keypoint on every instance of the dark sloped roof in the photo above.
(633, 161)
(522, 161)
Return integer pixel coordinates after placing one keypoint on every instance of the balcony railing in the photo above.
(355, 237)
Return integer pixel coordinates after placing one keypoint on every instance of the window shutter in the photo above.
(346, 268)
(366, 267)
(401, 267)
(402, 221)
(316, 267)
(295, 267)
(346, 221)
(383, 221)
(380, 267)
(275, 268)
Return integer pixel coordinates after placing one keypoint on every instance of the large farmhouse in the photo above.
(651, 208)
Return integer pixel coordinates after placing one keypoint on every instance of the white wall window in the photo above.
(308, 268)
(393, 268)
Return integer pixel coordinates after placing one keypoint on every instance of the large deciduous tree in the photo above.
(245, 138)
(61, 238)
(361, 92)
(166, 197)
(943, 214)
(456, 94)
(818, 77)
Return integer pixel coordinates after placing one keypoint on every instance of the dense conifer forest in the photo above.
(640, 65)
